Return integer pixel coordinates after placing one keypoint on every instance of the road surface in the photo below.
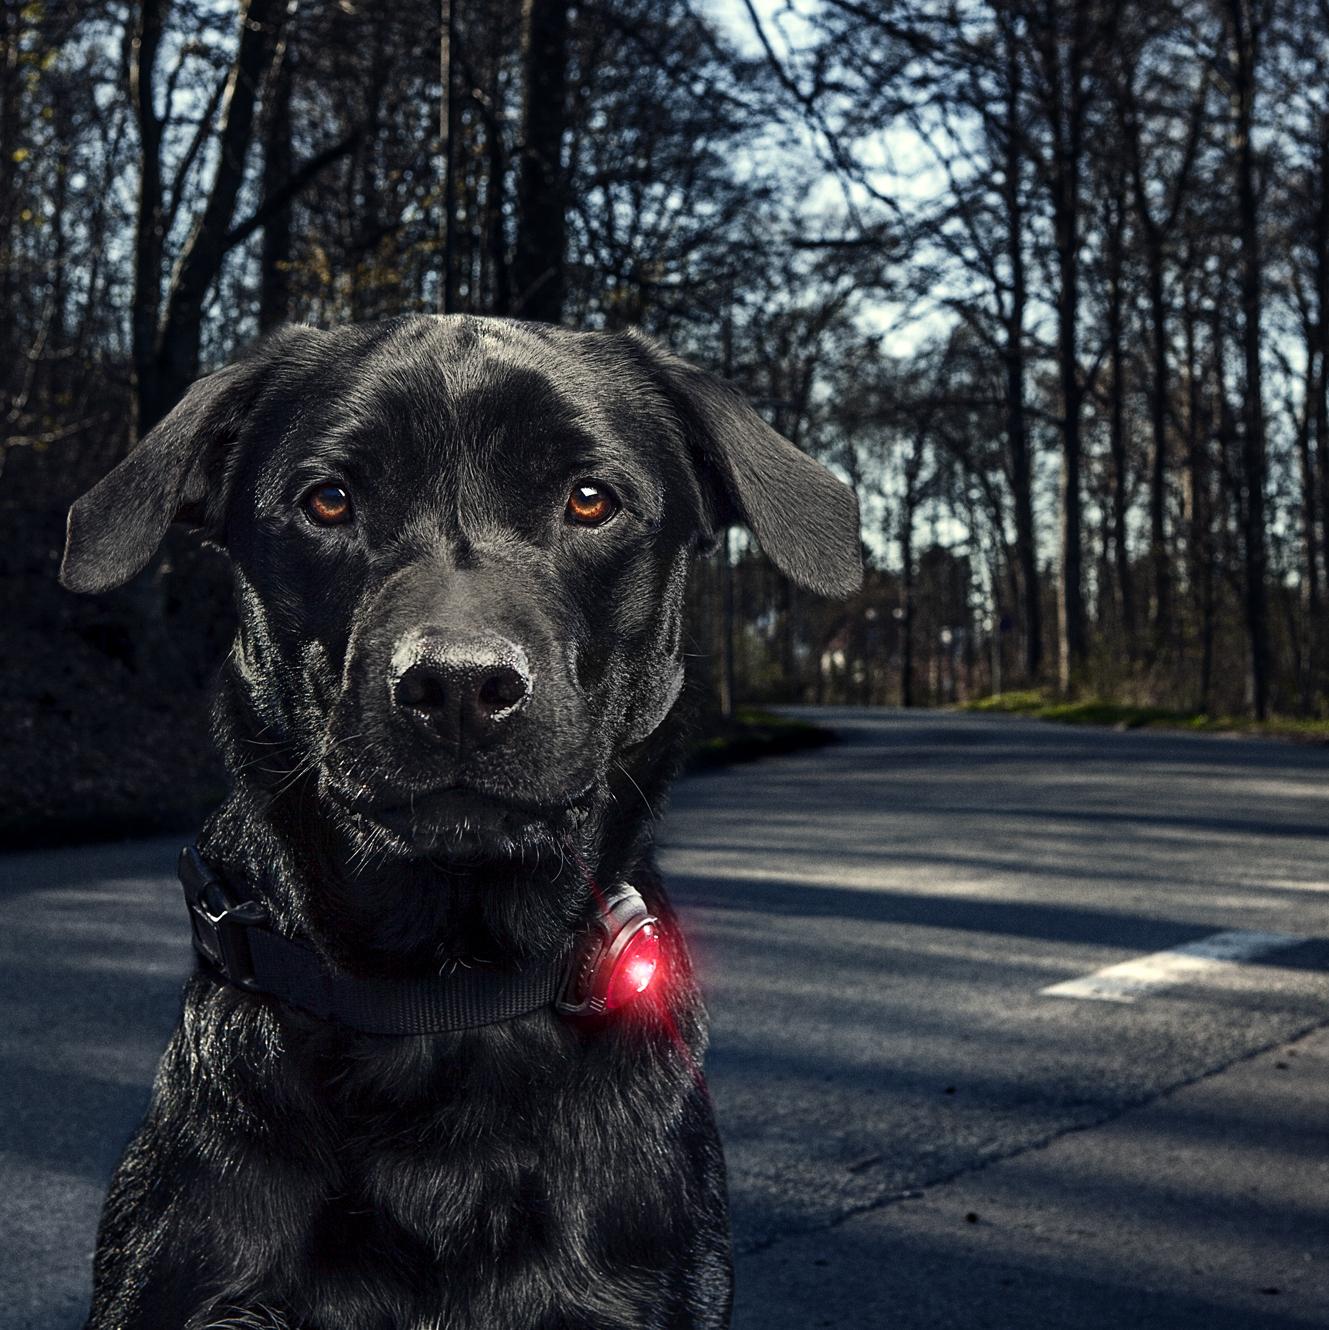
(875, 924)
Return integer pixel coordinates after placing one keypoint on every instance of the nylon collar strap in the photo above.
(237, 941)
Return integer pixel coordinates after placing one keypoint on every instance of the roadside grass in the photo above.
(754, 733)
(1123, 716)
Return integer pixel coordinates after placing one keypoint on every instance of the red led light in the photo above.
(635, 969)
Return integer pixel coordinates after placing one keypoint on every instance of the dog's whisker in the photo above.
(638, 788)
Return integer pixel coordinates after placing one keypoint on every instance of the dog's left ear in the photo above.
(805, 518)
(115, 528)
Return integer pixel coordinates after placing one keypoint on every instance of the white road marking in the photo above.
(1177, 965)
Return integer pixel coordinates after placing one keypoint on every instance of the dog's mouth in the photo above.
(461, 821)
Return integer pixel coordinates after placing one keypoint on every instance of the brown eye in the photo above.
(328, 505)
(590, 504)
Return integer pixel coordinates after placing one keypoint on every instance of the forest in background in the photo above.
(1044, 281)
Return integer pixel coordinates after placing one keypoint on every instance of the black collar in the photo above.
(237, 943)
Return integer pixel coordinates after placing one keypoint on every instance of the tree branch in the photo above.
(270, 207)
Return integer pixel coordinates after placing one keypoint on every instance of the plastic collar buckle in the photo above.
(219, 922)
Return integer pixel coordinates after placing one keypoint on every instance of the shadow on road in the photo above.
(1201, 1211)
(1134, 933)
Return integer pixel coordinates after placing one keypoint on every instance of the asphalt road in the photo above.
(873, 923)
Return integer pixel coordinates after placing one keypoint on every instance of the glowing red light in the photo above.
(635, 969)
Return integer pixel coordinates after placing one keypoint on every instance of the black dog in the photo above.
(409, 1088)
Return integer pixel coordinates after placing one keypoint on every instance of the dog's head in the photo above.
(460, 548)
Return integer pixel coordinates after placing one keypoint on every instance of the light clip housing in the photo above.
(615, 959)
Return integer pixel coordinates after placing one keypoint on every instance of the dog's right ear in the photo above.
(115, 528)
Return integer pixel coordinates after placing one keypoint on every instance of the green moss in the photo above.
(1027, 703)
(1124, 716)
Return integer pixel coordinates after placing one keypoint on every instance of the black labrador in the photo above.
(439, 1063)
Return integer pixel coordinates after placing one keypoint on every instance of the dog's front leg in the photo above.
(211, 1202)
(162, 1263)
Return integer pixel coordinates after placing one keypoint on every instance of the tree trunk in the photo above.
(176, 362)
(1025, 540)
(275, 276)
(149, 239)
(1203, 581)
(1159, 608)
(1117, 426)
(449, 153)
(1225, 429)
(1016, 434)
(1318, 407)
(497, 237)
(542, 223)
(907, 605)
(1064, 96)
(1310, 589)
(1155, 233)
(1243, 24)
(13, 74)
(907, 508)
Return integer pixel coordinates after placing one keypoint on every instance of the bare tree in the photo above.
(1245, 23)
(541, 285)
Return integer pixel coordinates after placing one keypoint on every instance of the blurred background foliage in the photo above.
(1045, 282)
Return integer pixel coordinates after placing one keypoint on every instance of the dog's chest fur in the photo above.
(448, 1180)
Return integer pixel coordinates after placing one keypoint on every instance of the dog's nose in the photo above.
(460, 688)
